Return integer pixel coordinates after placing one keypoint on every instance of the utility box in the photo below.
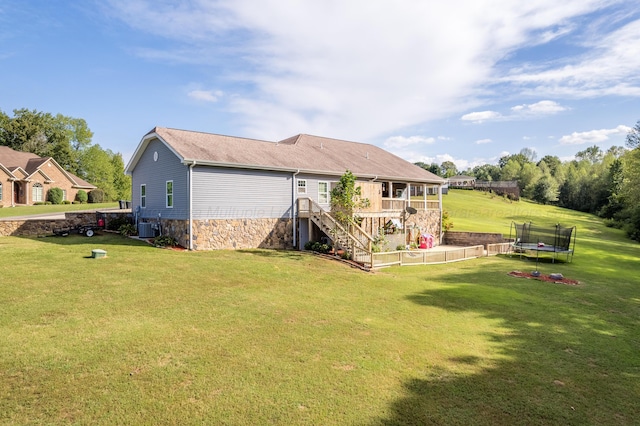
(145, 230)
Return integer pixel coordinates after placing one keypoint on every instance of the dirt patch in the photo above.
(543, 277)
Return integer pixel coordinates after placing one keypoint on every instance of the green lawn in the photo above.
(57, 208)
(152, 336)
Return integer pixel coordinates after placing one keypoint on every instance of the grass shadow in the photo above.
(279, 254)
(568, 357)
(99, 238)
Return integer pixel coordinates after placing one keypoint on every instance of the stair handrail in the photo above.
(315, 207)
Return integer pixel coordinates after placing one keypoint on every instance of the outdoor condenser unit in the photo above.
(145, 230)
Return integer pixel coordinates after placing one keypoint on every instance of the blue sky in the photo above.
(463, 80)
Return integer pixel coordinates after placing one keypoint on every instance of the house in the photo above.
(461, 181)
(25, 178)
(212, 191)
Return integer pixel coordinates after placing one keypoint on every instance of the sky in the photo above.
(467, 81)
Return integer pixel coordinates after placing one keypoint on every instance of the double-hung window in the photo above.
(36, 193)
(143, 196)
(302, 186)
(323, 192)
(169, 194)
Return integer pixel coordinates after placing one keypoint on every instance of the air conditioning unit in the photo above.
(145, 230)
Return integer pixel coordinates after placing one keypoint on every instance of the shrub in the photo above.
(317, 247)
(66, 202)
(164, 241)
(82, 196)
(96, 196)
(115, 224)
(400, 247)
(55, 195)
(127, 229)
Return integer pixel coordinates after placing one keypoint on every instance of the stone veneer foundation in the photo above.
(428, 221)
(41, 227)
(217, 234)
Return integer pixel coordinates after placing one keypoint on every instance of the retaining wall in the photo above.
(463, 239)
(41, 227)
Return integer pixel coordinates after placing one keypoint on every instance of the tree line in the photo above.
(603, 183)
(68, 141)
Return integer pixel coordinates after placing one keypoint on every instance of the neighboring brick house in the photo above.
(26, 178)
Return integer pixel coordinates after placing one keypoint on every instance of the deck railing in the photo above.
(401, 204)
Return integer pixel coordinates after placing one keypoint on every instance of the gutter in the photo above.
(187, 161)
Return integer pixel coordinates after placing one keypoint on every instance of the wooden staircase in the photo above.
(353, 239)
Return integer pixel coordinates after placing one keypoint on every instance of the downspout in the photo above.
(294, 216)
(440, 204)
(191, 204)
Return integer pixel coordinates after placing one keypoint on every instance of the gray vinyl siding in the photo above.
(312, 186)
(225, 193)
(155, 174)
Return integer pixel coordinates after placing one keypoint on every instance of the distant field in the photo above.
(256, 337)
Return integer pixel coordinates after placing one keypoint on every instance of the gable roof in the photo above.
(28, 164)
(304, 153)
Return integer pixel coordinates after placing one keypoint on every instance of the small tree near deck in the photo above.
(346, 198)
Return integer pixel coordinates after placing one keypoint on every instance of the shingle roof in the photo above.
(302, 152)
(30, 163)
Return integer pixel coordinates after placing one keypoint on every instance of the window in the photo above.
(302, 186)
(323, 192)
(143, 196)
(169, 194)
(64, 195)
(36, 193)
(0, 191)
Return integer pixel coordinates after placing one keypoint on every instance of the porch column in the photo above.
(424, 195)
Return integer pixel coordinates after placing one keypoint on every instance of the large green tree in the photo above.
(46, 135)
(68, 141)
(633, 137)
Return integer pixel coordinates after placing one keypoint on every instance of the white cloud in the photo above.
(481, 116)
(539, 108)
(403, 142)
(609, 67)
(518, 112)
(593, 136)
(205, 95)
(352, 70)
(483, 141)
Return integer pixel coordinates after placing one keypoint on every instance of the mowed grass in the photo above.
(51, 208)
(153, 336)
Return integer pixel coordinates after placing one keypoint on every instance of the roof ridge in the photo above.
(209, 134)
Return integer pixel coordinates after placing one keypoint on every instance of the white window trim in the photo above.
(40, 193)
(323, 193)
(1, 194)
(166, 198)
(304, 187)
(143, 196)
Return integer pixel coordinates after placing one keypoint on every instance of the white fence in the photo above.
(425, 257)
